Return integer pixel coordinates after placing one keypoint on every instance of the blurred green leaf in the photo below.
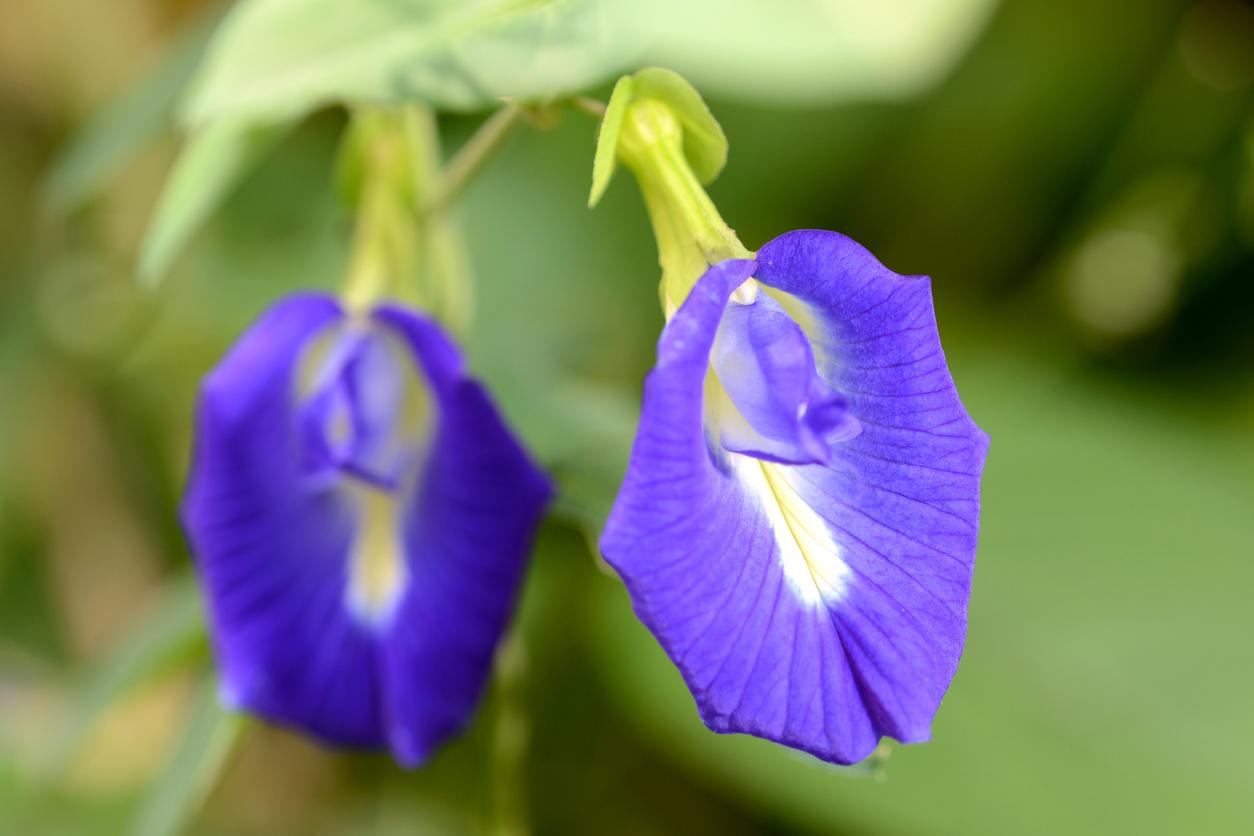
(194, 768)
(809, 52)
(159, 637)
(283, 58)
(211, 164)
(99, 149)
(586, 438)
(18, 339)
(123, 128)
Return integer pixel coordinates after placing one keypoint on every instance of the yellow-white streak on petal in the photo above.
(810, 556)
(377, 569)
(747, 293)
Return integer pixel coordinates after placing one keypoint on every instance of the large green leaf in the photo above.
(807, 51)
(282, 58)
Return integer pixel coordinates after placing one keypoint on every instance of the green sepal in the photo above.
(606, 160)
(350, 162)
(705, 144)
(658, 125)
(382, 142)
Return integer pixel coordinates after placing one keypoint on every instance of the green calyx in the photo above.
(380, 174)
(404, 245)
(658, 126)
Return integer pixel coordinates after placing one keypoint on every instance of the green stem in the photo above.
(369, 265)
(472, 156)
(509, 740)
(587, 104)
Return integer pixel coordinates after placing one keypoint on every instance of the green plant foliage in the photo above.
(1104, 688)
(140, 115)
(192, 769)
(211, 165)
(809, 53)
(279, 59)
(158, 639)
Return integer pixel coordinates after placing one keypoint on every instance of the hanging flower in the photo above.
(797, 525)
(798, 522)
(361, 518)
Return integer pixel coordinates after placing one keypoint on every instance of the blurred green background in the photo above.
(1077, 178)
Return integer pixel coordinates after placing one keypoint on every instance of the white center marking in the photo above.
(808, 553)
(377, 570)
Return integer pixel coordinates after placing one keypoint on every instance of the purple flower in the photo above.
(798, 521)
(361, 519)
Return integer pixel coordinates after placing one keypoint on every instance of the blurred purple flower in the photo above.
(798, 521)
(361, 519)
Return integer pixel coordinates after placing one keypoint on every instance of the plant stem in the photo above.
(587, 104)
(472, 156)
(509, 740)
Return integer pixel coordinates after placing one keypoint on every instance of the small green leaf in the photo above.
(284, 58)
(606, 159)
(705, 144)
(117, 133)
(211, 165)
(350, 161)
(447, 274)
(194, 768)
(168, 632)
